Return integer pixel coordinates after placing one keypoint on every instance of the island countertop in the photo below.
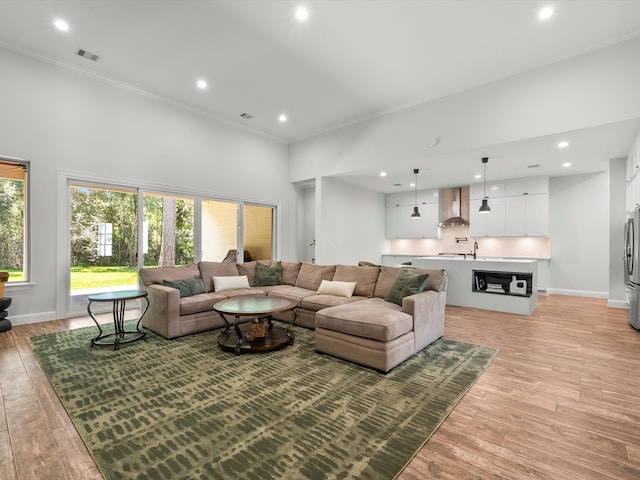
(469, 258)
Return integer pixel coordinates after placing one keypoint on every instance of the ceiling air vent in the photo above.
(535, 165)
(88, 55)
(246, 116)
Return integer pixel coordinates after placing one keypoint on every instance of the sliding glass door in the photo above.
(109, 224)
(103, 241)
(258, 231)
(168, 230)
(220, 226)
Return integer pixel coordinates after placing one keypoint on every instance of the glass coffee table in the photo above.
(240, 339)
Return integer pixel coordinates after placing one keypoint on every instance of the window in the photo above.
(13, 218)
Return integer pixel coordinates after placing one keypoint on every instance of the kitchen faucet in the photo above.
(475, 248)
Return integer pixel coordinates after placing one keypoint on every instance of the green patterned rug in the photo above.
(183, 409)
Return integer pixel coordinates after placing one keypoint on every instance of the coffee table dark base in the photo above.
(276, 337)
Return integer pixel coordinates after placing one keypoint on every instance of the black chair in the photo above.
(232, 256)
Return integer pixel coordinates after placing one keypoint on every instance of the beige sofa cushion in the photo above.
(365, 278)
(219, 269)
(437, 279)
(371, 318)
(311, 275)
(200, 303)
(248, 269)
(290, 271)
(318, 302)
(295, 294)
(150, 276)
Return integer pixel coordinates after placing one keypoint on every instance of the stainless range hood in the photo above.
(454, 207)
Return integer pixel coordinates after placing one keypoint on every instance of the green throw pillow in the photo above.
(268, 275)
(407, 283)
(188, 286)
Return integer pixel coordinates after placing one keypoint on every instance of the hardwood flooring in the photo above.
(560, 401)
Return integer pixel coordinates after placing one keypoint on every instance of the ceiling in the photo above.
(351, 60)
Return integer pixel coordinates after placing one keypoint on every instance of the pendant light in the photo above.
(484, 208)
(416, 212)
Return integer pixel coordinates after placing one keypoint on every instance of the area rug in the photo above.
(184, 409)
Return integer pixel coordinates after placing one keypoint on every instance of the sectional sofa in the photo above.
(370, 315)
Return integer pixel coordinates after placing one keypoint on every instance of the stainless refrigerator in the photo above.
(632, 266)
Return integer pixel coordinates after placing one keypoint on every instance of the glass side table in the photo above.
(120, 335)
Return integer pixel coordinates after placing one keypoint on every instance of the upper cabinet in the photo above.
(519, 207)
(633, 178)
(487, 224)
(399, 199)
(400, 224)
(494, 189)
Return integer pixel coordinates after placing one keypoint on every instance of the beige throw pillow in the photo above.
(339, 289)
(230, 283)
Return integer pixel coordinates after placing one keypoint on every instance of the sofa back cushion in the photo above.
(156, 276)
(311, 275)
(365, 278)
(208, 270)
(249, 269)
(437, 279)
(290, 271)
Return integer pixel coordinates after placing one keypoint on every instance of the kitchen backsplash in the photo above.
(457, 240)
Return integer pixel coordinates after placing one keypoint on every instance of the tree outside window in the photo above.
(13, 188)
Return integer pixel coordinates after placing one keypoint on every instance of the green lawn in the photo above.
(14, 275)
(98, 277)
(93, 277)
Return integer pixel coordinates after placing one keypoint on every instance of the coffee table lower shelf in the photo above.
(276, 337)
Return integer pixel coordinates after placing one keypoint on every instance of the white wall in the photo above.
(617, 219)
(61, 120)
(579, 229)
(596, 88)
(349, 223)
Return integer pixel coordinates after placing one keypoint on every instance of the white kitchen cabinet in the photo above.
(492, 224)
(428, 196)
(400, 224)
(542, 282)
(527, 215)
(399, 199)
(526, 186)
(633, 177)
(494, 189)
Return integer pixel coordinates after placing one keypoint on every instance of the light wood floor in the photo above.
(561, 401)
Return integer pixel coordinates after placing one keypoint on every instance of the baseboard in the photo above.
(31, 318)
(577, 293)
(618, 304)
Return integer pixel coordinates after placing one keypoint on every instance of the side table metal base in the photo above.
(119, 335)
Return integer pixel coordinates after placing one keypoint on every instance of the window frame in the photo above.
(26, 228)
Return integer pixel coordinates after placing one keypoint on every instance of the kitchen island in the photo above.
(500, 284)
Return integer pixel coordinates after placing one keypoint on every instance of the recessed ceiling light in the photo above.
(61, 25)
(412, 184)
(201, 84)
(563, 144)
(545, 13)
(282, 118)
(383, 174)
(566, 164)
(302, 14)
(478, 176)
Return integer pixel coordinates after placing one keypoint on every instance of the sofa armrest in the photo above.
(427, 309)
(163, 316)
